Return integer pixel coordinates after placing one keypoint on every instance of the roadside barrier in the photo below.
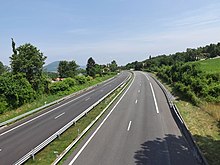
(182, 126)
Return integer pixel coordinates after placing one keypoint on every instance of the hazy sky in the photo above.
(121, 30)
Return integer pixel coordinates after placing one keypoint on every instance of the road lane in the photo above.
(18, 139)
(153, 138)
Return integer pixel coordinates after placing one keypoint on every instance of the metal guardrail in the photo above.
(63, 129)
(59, 158)
(182, 126)
(50, 104)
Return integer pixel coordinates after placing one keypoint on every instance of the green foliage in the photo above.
(90, 67)
(70, 81)
(1, 68)
(81, 79)
(29, 61)
(67, 69)
(16, 89)
(113, 66)
(191, 82)
(58, 87)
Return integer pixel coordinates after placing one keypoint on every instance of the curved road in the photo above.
(20, 138)
(138, 130)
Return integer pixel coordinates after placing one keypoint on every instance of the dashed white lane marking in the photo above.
(87, 99)
(97, 129)
(0, 149)
(44, 114)
(60, 115)
(139, 91)
(129, 125)
(155, 101)
(136, 101)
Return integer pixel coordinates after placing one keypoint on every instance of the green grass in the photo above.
(47, 155)
(49, 98)
(205, 130)
(210, 65)
(203, 122)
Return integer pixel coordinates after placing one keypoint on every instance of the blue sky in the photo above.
(121, 30)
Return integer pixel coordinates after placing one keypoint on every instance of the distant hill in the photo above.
(52, 67)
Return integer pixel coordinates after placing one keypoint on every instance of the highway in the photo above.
(139, 129)
(21, 137)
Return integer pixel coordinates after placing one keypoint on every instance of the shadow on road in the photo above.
(168, 150)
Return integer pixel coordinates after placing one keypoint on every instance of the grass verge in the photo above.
(204, 124)
(49, 153)
(49, 98)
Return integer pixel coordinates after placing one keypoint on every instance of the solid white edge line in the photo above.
(155, 101)
(59, 115)
(129, 125)
(147, 78)
(90, 138)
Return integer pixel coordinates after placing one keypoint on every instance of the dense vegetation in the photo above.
(26, 81)
(193, 79)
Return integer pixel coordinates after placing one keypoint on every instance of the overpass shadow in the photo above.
(168, 150)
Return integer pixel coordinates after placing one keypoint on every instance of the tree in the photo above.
(2, 68)
(113, 66)
(90, 67)
(16, 89)
(72, 69)
(67, 69)
(62, 69)
(138, 65)
(29, 60)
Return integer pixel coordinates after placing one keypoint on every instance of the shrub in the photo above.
(58, 86)
(81, 79)
(69, 81)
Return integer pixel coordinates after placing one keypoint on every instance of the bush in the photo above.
(89, 78)
(16, 89)
(58, 86)
(69, 81)
(81, 79)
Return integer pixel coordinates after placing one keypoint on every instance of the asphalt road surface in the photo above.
(139, 130)
(21, 137)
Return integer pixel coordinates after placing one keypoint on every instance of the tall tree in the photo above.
(29, 60)
(113, 66)
(67, 69)
(62, 69)
(90, 67)
(2, 68)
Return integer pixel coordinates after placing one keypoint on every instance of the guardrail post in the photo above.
(32, 154)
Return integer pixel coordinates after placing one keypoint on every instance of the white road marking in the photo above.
(43, 114)
(140, 84)
(147, 78)
(136, 101)
(129, 125)
(87, 99)
(139, 91)
(59, 115)
(0, 149)
(155, 101)
(87, 142)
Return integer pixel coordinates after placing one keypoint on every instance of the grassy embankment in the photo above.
(49, 98)
(203, 120)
